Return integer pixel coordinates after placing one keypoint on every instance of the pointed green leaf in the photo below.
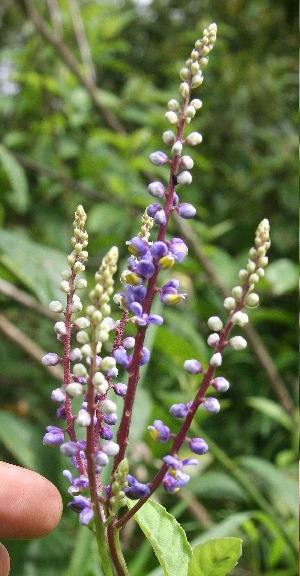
(19, 438)
(215, 557)
(18, 197)
(166, 537)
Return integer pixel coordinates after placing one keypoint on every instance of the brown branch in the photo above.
(23, 298)
(55, 16)
(258, 346)
(73, 65)
(34, 351)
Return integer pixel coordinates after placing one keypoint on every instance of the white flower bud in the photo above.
(66, 274)
(251, 266)
(216, 360)
(83, 418)
(229, 303)
(184, 89)
(253, 278)
(237, 343)
(203, 62)
(173, 105)
(107, 406)
(171, 117)
(60, 328)
(194, 138)
(197, 80)
(86, 350)
(82, 323)
(252, 300)
(237, 293)
(110, 448)
(56, 306)
(79, 370)
(184, 178)
(177, 148)
(107, 363)
(263, 261)
(65, 286)
(184, 73)
(243, 276)
(195, 68)
(197, 103)
(78, 267)
(82, 337)
(215, 323)
(186, 162)
(190, 112)
(81, 284)
(194, 55)
(213, 339)
(240, 318)
(71, 259)
(74, 390)
(169, 137)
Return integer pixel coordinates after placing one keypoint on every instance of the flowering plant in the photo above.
(104, 345)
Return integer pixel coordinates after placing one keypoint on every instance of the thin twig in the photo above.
(82, 40)
(34, 351)
(55, 16)
(23, 298)
(73, 65)
(258, 346)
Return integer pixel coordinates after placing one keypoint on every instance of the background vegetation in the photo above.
(83, 91)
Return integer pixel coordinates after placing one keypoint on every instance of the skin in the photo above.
(30, 507)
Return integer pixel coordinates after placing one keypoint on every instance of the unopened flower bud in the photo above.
(198, 446)
(237, 293)
(171, 117)
(177, 148)
(65, 286)
(56, 306)
(81, 284)
(186, 210)
(156, 189)
(238, 343)
(220, 384)
(252, 300)
(194, 138)
(110, 448)
(186, 162)
(83, 418)
(211, 405)
(229, 303)
(216, 360)
(190, 112)
(184, 178)
(107, 406)
(75, 355)
(74, 390)
(169, 137)
(213, 339)
(158, 158)
(107, 363)
(240, 318)
(82, 323)
(60, 328)
(193, 366)
(173, 105)
(184, 89)
(215, 323)
(50, 359)
(184, 73)
(197, 80)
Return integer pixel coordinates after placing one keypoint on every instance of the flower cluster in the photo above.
(91, 373)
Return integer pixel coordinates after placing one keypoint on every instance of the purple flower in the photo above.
(136, 489)
(159, 431)
(158, 158)
(54, 436)
(153, 208)
(145, 268)
(158, 249)
(145, 356)
(220, 384)
(178, 249)
(57, 395)
(179, 410)
(169, 294)
(50, 359)
(193, 366)
(82, 506)
(137, 246)
(198, 446)
(186, 210)
(70, 448)
(120, 389)
(121, 357)
(156, 189)
(110, 419)
(106, 433)
(160, 218)
(173, 483)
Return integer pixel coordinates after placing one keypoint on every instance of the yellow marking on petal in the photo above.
(154, 433)
(166, 262)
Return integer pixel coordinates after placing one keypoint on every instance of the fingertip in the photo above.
(4, 561)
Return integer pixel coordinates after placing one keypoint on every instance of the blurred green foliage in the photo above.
(79, 116)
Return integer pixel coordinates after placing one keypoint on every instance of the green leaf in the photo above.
(18, 197)
(282, 275)
(166, 537)
(37, 267)
(215, 557)
(19, 438)
(271, 409)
